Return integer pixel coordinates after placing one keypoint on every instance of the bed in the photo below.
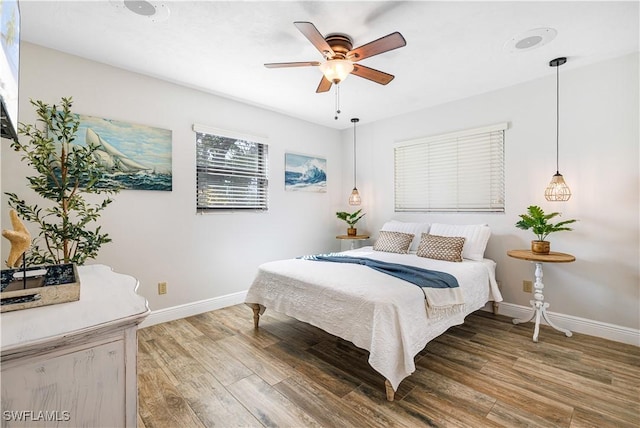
(391, 318)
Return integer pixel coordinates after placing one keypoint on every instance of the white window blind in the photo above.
(231, 172)
(460, 172)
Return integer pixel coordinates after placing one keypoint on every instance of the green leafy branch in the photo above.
(538, 222)
(350, 218)
(66, 173)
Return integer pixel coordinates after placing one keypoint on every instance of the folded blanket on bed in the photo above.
(440, 289)
(415, 275)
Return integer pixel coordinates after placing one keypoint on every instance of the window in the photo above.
(458, 172)
(231, 172)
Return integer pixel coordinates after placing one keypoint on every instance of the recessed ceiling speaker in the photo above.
(531, 39)
(154, 11)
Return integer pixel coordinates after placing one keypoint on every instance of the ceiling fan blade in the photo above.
(383, 44)
(324, 85)
(311, 32)
(291, 64)
(372, 74)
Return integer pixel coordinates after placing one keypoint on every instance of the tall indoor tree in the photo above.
(66, 174)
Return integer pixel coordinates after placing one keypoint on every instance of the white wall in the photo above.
(157, 236)
(599, 159)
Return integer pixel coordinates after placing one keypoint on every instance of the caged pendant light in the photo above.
(354, 198)
(557, 190)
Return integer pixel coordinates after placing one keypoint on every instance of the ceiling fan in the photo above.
(340, 57)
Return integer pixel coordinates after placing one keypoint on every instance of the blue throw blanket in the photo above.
(415, 275)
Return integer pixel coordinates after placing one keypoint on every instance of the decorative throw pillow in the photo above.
(393, 242)
(447, 248)
(417, 229)
(476, 237)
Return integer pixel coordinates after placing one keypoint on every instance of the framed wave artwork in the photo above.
(305, 173)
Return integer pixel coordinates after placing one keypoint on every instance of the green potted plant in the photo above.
(65, 174)
(538, 222)
(351, 219)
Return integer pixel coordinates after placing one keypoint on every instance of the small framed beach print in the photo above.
(305, 173)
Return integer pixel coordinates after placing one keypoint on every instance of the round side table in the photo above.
(538, 304)
(353, 238)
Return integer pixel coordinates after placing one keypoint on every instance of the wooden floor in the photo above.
(214, 369)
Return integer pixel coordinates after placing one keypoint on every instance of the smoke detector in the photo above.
(531, 39)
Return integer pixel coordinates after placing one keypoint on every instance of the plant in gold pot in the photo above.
(538, 222)
(351, 219)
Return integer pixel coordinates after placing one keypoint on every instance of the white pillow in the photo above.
(416, 229)
(476, 237)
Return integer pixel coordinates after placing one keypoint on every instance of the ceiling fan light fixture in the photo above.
(336, 70)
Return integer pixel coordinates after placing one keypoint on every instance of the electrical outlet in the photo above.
(527, 286)
(162, 288)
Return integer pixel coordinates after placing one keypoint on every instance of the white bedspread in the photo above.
(377, 312)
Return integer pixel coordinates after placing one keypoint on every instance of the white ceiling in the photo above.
(454, 49)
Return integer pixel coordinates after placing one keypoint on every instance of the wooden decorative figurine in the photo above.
(20, 239)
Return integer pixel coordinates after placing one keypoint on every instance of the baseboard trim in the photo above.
(579, 325)
(194, 308)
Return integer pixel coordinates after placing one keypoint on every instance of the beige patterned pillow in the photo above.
(393, 242)
(447, 248)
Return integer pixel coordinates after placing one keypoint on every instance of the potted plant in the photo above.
(351, 220)
(538, 222)
(65, 174)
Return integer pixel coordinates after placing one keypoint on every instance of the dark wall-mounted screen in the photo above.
(9, 66)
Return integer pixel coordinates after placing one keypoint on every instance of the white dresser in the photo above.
(74, 364)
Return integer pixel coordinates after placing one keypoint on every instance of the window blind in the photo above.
(459, 172)
(231, 171)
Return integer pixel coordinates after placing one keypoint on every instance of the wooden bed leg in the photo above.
(256, 314)
(390, 392)
(496, 306)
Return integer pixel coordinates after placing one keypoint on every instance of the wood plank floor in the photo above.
(214, 369)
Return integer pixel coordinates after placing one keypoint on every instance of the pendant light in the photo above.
(557, 190)
(354, 198)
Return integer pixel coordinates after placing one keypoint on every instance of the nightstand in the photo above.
(353, 238)
(538, 304)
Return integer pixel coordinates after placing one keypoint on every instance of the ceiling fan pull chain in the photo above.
(337, 101)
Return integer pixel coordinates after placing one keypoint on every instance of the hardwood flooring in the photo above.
(214, 369)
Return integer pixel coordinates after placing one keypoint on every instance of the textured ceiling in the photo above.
(454, 49)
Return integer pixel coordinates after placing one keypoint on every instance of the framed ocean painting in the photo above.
(138, 157)
(305, 173)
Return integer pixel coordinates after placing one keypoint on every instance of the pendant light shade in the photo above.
(557, 190)
(354, 198)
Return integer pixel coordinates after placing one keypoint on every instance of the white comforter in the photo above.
(377, 312)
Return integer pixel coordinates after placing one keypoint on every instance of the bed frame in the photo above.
(387, 385)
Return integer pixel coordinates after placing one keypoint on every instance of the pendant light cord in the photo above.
(354, 153)
(557, 119)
